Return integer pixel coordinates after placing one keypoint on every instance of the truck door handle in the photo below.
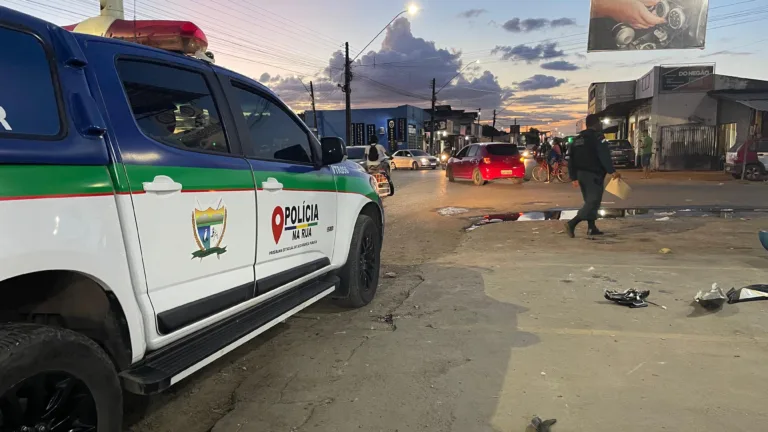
(161, 184)
(272, 185)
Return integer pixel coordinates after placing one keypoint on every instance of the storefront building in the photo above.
(396, 127)
(688, 113)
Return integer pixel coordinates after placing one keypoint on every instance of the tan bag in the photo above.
(618, 187)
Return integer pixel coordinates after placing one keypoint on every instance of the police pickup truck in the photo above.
(158, 211)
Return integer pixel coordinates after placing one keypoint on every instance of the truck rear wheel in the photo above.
(360, 275)
(54, 379)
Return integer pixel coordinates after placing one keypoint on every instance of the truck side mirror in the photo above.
(333, 150)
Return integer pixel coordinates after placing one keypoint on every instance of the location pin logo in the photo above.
(278, 221)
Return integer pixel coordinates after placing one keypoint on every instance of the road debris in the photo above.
(629, 297)
(591, 269)
(451, 211)
(390, 274)
(747, 293)
(665, 251)
(539, 425)
(663, 219)
(713, 299)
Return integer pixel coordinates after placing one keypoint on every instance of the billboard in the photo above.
(400, 133)
(391, 133)
(370, 131)
(618, 25)
(686, 78)
(360, 138)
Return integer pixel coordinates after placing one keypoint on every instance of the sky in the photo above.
(527, 59)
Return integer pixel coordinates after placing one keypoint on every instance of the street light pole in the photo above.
(432, 119)
(347, 91)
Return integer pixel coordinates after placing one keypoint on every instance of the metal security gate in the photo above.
(688, 147)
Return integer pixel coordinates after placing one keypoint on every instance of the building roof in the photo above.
(754, 99)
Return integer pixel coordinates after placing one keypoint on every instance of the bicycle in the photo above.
(559, 171)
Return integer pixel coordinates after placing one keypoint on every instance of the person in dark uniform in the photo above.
(590, 162)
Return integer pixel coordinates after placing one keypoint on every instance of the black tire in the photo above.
(562, 174)
(736, 176)
(434, 167)
(78, 376)
(387, 169)
(753, 172)
(414, 166)
(449, 174)
(477, 178)
(352, 275)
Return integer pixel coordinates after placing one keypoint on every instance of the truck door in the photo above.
(192, 191)
(296, 200)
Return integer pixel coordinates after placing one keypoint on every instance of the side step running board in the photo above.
(171, 364)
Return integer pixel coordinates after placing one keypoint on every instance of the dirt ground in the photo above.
(493, 326)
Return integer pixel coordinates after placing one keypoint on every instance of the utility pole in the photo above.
(314, 112)
(347, 90)
(432, 119)
(493, 132)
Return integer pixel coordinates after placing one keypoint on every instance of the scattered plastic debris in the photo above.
(539, 425)
(713, 299)
(629, 297)
(451, 211)
(472, 228)
(543, 374)
(591, 269)
(747, 293)
(390, 274)
(664, 219)
(665, 251)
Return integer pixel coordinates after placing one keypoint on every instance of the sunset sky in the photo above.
(533, 63)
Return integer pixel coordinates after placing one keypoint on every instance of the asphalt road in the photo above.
(493, 326)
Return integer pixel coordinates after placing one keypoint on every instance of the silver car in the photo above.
(413, 159)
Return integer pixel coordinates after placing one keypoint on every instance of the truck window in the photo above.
(275, 135)
(173, 106)
(28, 102)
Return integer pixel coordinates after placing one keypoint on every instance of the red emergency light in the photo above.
(177, 36)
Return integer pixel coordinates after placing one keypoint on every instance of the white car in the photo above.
(160, 211)
(413, 159)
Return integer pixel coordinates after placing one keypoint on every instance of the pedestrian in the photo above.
(374, 158)
(590, 162)
(646, 149)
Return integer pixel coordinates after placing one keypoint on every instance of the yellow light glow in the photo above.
(413, 9)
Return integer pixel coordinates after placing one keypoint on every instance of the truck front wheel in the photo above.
(54, 379)
(360, 275)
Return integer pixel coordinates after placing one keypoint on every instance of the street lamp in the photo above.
(412, 9)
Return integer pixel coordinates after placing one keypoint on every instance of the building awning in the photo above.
(622, 109)
(754, 99)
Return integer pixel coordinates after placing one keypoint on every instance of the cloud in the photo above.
(528, 53)
(560, 65)
(516, 25)
(540, 82)
(562, 22)
(405, 66)
(472, 13)
(547, 99)
(264, 77)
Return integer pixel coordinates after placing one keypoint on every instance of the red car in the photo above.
(482, 162)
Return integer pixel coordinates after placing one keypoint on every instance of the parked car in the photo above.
(622, 153)
(756, 152)
(483, 162)
(413, 159)
(356, 154)
(161, 211)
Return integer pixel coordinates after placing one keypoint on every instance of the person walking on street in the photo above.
(646, 149)
(590, 162)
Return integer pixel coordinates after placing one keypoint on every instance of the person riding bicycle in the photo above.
(556, 154)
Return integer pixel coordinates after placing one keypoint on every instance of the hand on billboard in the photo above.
(632, 12)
